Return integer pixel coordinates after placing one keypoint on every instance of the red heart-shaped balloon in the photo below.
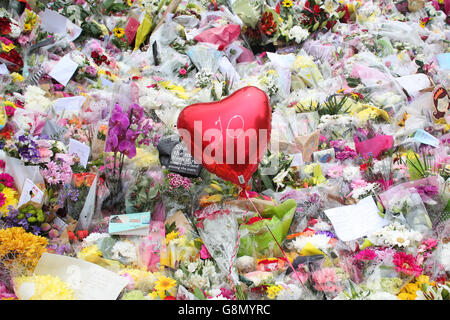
(228, 137)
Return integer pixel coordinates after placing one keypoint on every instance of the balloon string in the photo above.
(279, 246)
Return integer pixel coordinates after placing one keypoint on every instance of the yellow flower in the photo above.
(45, 288)
(8, 48)
(164, 283)
(406, 296)
(11, 200)
(89, 253)
(145, 159)
(119, 32)
(161, 294)
(273, 291)
(171, 236)
(287, 3)
(24, 247)
(16, 77)
(153, 295)
(27, 26)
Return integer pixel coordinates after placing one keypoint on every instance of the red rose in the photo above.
(5, 26)
(94, 54)
(316, 9)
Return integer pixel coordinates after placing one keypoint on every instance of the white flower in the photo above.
(192, 267)
(395, 234)
(179, 274)
(322, 226)
(93, 237)
(320, 241)
(351, 173)
(35, 100)
(280, 177)
(124, 250)
(298, 34)
(330, 6)
(199, 281)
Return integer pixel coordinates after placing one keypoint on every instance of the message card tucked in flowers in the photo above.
(135, 224)
(357, 220)
(88, 280)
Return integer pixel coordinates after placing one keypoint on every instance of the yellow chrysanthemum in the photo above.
(287, 3)
(11, 200)
(43, 287)
(89, 252)
(119, 32)
(273, 291)
(27, 26)
(165, 283)
(25, 247)
(8, 48)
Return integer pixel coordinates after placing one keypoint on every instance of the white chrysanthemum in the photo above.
(124, 250)
(35, 100)
(320, 241)
(93, 237)
(395, 234)
(298, 34)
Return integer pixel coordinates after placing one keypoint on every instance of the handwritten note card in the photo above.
(88, 280)
(356, 221)
(83, 151)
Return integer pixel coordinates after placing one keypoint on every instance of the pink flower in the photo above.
(335, 172)
(326, 280)
(358, 184)
(322, 139)
(7, 180)
(45, 154)
(2, 199)
(366, 254)
(407, 264)
(204, 254)
(183, 71)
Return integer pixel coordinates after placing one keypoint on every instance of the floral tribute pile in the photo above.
(351, 198)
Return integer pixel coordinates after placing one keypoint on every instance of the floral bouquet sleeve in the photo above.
(257, 240)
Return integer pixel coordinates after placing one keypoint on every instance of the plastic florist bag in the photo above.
(218, 229)
(257, 240)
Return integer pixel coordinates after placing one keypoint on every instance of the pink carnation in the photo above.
(407, 264)
(7, 180)
(366, 254)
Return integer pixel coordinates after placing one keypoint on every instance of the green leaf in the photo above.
(199, 294)
(316, 25)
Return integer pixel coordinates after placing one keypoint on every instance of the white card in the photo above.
(356, 221)
(30, 192)
(4, 69)
(83, 151)
(64, 70)
(88, 280)
(414, 83)
(71, 104)
(53, 22)
(298, 160)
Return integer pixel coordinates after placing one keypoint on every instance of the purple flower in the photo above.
(127, 148)
(119, 119)
(137, 111)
